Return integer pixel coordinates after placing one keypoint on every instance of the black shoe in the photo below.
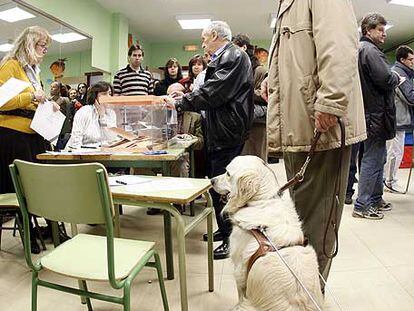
(222, 252)
(348, 199)
(216, 236)
(34, 247)
(153, 211)
(63, 237)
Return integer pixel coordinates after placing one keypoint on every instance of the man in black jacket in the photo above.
(378, 83)
(227, 99)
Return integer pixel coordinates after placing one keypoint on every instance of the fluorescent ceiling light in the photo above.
(402, 2)
(193, 22)
(272, 20)
(6, 47)
(68, 37)
(14, 15)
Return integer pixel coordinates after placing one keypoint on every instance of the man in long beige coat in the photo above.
(313, 79)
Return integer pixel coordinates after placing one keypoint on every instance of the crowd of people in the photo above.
(237, 105)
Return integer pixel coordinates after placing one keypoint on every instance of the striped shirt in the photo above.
(129, 82)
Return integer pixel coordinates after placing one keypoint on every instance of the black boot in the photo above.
(34, 246)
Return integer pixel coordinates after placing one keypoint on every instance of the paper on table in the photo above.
(164, 184)
(47, 122)
(11, 88)
(127, 180)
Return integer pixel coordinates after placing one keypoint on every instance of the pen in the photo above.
(121, 182)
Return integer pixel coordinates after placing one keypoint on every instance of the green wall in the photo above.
(109, 31)
(76, 65)
(161, 52)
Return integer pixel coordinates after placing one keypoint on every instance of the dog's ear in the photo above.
(247, 186)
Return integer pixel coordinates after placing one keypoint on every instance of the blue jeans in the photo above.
(370, 186)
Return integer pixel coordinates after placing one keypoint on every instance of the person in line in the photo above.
(312, 81)
(378, 86)
(92, 120)
(172, 74)
(133, 79)
(82, 89)
(196, 65)
(404, 102)
(17, 139)
(226, 97)
(256, 144)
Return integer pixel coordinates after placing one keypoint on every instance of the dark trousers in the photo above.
(315, 196)
(356, 158)
(217, 162)
(16, 145)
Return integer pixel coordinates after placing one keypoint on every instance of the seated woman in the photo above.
(91, 121)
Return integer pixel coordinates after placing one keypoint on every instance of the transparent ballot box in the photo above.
(143, 123)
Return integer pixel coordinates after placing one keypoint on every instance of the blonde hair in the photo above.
(24, 47)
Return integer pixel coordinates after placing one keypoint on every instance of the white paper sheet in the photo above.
(11, 88)
(164, 184)
(127, 180)
(47, 122)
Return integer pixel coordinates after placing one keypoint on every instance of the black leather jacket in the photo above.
(378, 83)
(227, 98)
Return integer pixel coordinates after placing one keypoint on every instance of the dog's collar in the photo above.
(266, 247)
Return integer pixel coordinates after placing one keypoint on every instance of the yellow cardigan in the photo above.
(13, 69)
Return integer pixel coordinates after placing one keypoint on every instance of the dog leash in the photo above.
(263, 231)
(298, 178)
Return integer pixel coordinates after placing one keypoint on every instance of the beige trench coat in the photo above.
(313, 66)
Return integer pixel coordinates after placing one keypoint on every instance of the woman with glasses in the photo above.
(17, 139)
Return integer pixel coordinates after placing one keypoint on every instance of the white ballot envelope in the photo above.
(11, 88)
(47, 122)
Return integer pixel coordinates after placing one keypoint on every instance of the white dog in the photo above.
(253, 202)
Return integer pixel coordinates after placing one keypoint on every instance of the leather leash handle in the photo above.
(298, 178)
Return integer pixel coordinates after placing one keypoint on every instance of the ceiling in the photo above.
(9, 31)
(155, 20)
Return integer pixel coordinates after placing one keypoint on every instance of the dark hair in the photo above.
(63, 90)
(79, 86)
(98, 87)
(135, 47)
(194, 60)
(241, 40)
(258, 50)
(169, 64)
(371, 21)
(402, 52)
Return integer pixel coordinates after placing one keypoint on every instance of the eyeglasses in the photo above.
(44, 46)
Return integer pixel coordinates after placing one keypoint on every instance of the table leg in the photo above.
(168, 245)
(55, 233)
(117, 228)
(181, 261)
(192, 162)
(210, 243)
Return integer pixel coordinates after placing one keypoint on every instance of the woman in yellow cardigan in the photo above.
(17, 139)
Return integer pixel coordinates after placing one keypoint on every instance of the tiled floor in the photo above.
(374, 270)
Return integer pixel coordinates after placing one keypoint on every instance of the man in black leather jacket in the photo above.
(378, 83)
(227, 99)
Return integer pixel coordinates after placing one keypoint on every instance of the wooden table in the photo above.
(118, 160)
(149, 195)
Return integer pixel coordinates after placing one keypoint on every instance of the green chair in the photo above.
(79, 194)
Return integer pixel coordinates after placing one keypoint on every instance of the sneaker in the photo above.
(348, 199)
(372, 213)
(393, 188)
(383, 206)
